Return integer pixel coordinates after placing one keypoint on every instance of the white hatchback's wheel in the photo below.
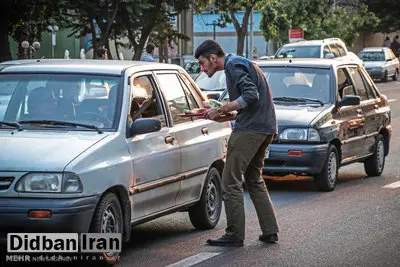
(374, 165)
(326, 179)
(396, 75)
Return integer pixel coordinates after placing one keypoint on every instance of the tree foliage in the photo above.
(318, 18)
(388, 12)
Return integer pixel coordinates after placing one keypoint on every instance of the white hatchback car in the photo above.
(102, 164)
(326, 48)
(380, 63)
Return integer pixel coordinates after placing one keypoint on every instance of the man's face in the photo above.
(209, 66)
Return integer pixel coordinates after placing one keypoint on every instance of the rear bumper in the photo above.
(68, 215)
(280, 162)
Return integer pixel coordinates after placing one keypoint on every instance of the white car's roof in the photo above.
(305, 62)
(107, 67)
(374, 49)
(314, 42)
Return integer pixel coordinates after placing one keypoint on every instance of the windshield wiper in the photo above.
(298, 99)
(64, 123)
(12, 124)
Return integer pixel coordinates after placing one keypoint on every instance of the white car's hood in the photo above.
(42, 151)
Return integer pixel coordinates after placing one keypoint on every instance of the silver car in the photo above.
(380, 63)
(104, 164)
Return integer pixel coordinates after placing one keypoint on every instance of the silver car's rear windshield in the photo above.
(299, 52)
(78, 98)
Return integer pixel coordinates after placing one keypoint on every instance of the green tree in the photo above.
(24, 20)
(318, 18)
(388, 11)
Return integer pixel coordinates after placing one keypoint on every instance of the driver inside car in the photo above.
(42, 104)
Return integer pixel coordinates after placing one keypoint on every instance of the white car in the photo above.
(380, 63)
(326, 48)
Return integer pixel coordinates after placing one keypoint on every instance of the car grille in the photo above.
(5, 182)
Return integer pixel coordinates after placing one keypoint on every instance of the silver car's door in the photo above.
(193, 135)
(156, 157)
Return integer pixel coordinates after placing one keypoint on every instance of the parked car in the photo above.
(330, 114)
(104, 170)
(326, 48)
(380, 63)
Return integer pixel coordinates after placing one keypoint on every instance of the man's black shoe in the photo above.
(225, 241)
(268, 238)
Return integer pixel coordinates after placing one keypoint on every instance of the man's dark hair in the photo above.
(207, 48)
(149, 48)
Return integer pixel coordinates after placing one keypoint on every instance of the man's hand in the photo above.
(212, 114)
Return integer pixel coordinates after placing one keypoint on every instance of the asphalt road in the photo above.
(355, 225)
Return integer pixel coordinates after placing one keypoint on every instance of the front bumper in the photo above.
(280, 162)
(68, 215)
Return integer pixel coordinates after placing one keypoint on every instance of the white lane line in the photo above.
(194, 259)
(392, 100)
(393, 185)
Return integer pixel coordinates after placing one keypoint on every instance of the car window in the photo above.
(145, 102)
(216, 83)
(358, 83)
(194, 92)
(391, 55)
(342, 51)
(369, 84)
(344, 85)
(299, 52)
(326, 50)
(372, 56)
(57, 97)
(309, 82)
(175, 96)
(335, 50)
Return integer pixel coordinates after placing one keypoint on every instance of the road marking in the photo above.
(393, 185)
(195, 259)
(392, 100)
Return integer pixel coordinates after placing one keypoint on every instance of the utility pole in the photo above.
(251, 36)
(214, 24)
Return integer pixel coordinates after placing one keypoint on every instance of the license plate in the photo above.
(267, 154)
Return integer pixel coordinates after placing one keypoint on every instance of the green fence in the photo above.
(63, 42)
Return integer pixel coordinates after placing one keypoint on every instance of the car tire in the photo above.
(108, 218)
(385, 77)
(374, 165)
(326, 179)
(396, 75)
(206, 213)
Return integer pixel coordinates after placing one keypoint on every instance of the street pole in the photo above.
(214, 25)
(251, 36)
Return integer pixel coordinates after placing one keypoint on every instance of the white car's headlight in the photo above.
(300, 134)
(50, 183)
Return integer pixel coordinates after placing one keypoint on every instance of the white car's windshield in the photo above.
(299, 52)
(215, 83)
(80, 99)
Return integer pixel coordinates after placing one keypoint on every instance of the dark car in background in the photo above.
(330, 114)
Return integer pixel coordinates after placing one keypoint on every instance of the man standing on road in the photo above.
(254, 130)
